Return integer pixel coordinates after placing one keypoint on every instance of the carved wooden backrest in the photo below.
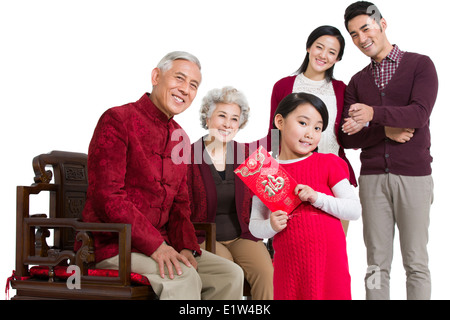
(70, 176)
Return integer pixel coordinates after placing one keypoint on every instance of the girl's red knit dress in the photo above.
(310, 261)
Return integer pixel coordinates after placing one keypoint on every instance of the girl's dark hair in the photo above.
(361, 8)
(316, 34)
(292, 101)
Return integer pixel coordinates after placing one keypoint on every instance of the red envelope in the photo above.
(273, 185)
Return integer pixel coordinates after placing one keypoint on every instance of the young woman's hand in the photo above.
(350, 126)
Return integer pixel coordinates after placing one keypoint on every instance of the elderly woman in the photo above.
(217, 195)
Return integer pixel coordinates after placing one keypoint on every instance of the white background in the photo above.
(63, 63)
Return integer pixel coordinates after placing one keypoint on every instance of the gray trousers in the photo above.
(388, 200)
(216, 278)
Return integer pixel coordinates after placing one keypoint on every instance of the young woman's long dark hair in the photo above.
(316, 34)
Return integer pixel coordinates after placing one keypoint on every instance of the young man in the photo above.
(387, 112)
(133, 179)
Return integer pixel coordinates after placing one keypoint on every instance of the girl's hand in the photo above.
(306, 193)
(278, 220)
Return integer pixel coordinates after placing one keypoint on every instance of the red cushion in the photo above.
(61, 272)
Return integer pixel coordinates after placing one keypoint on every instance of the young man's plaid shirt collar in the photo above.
(384, 71)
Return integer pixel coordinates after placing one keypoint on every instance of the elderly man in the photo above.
(132, 179)
(387, 113)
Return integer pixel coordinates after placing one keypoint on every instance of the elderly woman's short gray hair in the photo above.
(226, 95)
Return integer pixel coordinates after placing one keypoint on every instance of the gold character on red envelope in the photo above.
(273, 185)
(269, 181)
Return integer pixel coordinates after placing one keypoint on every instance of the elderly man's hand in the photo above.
(190, 256)
(167, 256)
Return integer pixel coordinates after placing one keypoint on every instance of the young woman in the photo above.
(218, 195)
(324, 48)
(310, 260)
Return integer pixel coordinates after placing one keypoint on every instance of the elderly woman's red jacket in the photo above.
(133, 179)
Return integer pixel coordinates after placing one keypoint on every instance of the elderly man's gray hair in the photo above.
(166, 62)
(228, 95)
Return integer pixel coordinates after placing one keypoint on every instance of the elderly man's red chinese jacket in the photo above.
(133, 180)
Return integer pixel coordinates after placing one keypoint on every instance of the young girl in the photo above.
(310, 260)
